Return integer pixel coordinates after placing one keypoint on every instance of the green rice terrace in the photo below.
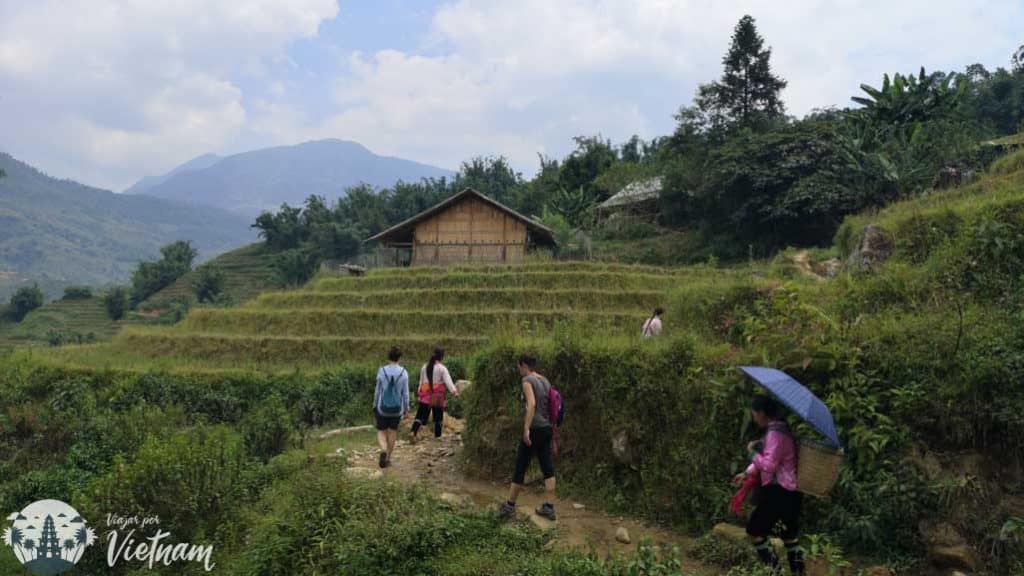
(355, 319)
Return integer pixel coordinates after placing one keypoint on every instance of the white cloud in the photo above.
(109, 91)
(126, 88)
(515, 78)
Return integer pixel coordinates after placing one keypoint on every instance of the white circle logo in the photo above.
(48, 537)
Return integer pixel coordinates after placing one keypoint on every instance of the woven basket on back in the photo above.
(817, 468)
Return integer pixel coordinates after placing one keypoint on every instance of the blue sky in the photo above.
(108, 91)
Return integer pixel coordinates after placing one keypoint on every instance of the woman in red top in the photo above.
(432, 394)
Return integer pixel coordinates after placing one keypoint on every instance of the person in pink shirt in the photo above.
(777, 499)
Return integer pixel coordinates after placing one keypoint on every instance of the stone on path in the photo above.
(622, 535)
(542, 523)
(456, 500)
(577, 506)
(368, 473)
(730, 532)
(349, 430)
(958, 557)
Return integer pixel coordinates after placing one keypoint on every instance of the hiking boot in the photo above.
(546, 510)
(383, 460)
(412, 438)
(506, 511)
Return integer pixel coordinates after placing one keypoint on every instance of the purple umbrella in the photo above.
(797, 398)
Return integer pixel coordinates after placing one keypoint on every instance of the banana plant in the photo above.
(907, 99)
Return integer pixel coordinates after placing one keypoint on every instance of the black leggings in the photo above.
(423, 413)
(540, 440)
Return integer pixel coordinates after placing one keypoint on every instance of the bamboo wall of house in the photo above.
(469, 231)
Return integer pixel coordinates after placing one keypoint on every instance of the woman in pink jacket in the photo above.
(777, 499)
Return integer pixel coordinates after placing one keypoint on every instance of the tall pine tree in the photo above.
(748, 92)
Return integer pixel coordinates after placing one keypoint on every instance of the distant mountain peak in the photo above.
(198, 163)
(263, 179)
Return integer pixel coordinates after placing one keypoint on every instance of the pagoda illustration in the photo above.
(49, 544)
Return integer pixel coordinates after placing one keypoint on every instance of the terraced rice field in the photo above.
(356, 319)
(247, 272)
(67, 317)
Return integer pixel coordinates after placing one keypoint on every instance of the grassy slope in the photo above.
(247, 272)
(66, 317)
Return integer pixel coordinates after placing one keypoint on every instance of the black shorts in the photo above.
(386, 422)
(777, 512)
(540, 445)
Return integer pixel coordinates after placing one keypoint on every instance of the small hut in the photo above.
(466, 228)
(639, 198)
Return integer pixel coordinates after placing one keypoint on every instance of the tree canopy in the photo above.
(748, 92)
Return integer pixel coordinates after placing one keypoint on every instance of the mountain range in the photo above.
(59, 232)
(250, 182)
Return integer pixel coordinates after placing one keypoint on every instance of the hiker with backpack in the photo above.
(432, 394)
(652, 327)
(776, 497)
(542, 415)
(390, 403)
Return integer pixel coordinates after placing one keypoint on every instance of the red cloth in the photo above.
(736, 505)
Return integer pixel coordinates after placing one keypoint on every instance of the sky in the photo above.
(106, 92)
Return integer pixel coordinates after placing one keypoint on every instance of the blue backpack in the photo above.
(390, 396)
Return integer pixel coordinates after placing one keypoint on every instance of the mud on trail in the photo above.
(434, 462)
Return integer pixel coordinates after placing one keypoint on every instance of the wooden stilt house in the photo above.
(466, 228)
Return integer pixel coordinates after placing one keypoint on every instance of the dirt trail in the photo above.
(433, 462)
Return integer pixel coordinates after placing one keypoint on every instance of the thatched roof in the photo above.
(403, 231)
(634, 193)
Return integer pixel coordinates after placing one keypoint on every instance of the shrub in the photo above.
(192, 481)
(294, 267)
(25, 300)
(116, 302)
(209, 284)
(77, 293)
(151, 277)
(267, 429)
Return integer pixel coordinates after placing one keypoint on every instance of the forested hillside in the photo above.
(58, 232)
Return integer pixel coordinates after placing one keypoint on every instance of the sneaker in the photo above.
(506, 511)
(412, 438)
(383, 460)
(546, 510)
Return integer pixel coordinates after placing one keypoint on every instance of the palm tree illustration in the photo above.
(84, 537)
(13, 537)
(81, 537)
(69, 545)
(30, 547)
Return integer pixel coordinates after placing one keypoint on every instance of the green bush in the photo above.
(25, 300)
(116, 302)
(209, 283)
(267, 430)
(192, 481)
(77, 293)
